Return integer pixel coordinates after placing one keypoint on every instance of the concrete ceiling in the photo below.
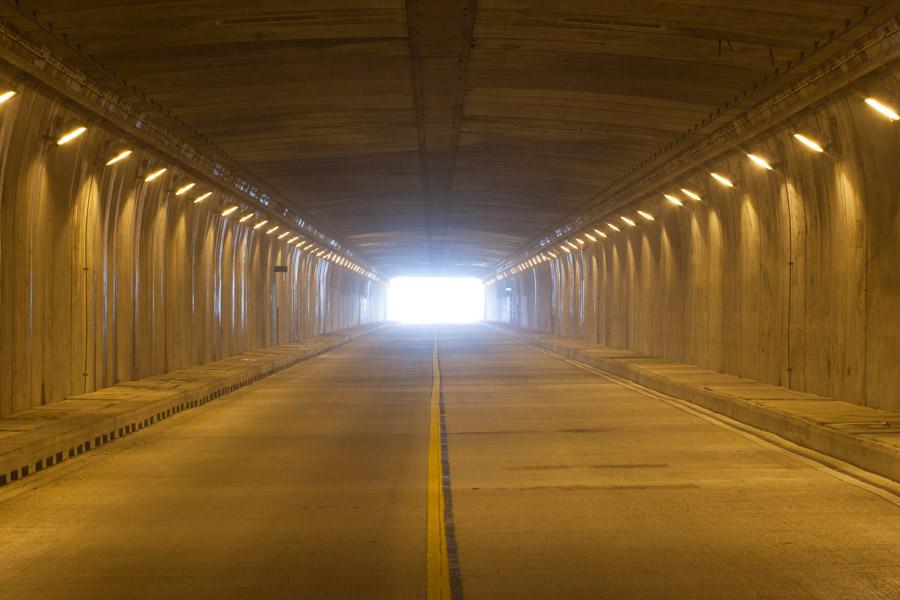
(444, 135)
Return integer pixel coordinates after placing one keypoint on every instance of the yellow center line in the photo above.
(438, 563)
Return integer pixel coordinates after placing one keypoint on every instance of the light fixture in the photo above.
(571, 244)
(723, 180)
(600, 233)
(887, 111)
(155, 175)
(691, 195)
(646, 215)
(6, 95)
(120, 156)
(760, 162)
(230, 210)
(590, 237)
(284, 235)
(245, 217)
(184, 189)
(580, 241)
(291, 241)
(272, 230)
(673, 199)
(811, 144)
(202, 197)
(613, 227)
(260, 224)
(566, 250)
(71, 134)
(551, 253)
(630, 222)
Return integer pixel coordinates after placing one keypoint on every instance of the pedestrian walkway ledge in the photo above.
(36, 439)
(865, 437)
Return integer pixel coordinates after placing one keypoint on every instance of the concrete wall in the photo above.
(791, 278)
(105, 278)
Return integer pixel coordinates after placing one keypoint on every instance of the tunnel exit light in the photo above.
(435, 299)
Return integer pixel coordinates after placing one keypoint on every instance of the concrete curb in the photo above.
(871, 455)
(86, 421)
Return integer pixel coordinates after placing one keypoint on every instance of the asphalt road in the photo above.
(565, 484)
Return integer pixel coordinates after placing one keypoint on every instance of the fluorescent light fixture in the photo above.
(646, 215)
(887, 111)
(723, 180)
(272, 230)
(580, 241)
(760, 162)
(600, 233)
(673, 199)
(246, 217)
(284, 235)
(292, 240)
(571, 244)
(590, 237)
(120, 156)
(630, 222)
(184, 189)
(71, 135)
(6, 96)
(202, 197)
(566, 250)
(613, 227)
(811, 144)
(260, 224)
(691, 195)
(229, 210)
(551, 254)
(155, 175)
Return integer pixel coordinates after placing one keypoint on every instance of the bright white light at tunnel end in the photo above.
(435, 299)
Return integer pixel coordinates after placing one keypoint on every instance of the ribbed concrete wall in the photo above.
(105, 278)
(792, 277)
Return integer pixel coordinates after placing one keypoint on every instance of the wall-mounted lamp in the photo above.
(760, 162)
(71, 130)
(673, 199)
(122, 155)
(809, 142)
(184, 189)
(722, 180)
(884, 109)
(155, 175)
(692, 195)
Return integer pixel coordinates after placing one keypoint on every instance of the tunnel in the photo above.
(445, 299)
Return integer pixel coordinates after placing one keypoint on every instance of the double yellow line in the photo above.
(438, 561)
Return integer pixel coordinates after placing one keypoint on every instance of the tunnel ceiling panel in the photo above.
(443, 135)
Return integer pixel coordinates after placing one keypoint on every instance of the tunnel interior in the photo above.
(622, 213)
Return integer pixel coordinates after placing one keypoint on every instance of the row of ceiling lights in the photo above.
(627, 221)
(75, 130)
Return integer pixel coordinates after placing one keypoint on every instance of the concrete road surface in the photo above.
(563, 484)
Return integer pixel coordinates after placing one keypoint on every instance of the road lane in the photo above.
(567, 485)
(310, 483)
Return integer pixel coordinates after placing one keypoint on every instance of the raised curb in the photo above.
(42, 437)
(866, 453)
